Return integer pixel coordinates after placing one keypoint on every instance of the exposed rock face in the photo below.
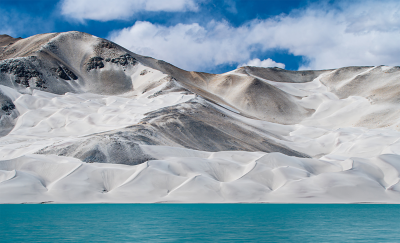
(60, 72)
(70, 73)
(123, 60)
(65, 73)
(94, 63)
(23, 72)
(8, 114)
(7, 107)
(107, 44)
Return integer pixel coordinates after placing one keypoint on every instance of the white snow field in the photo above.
(83, 120)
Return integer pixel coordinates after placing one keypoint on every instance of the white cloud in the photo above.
(105, 10)
(264, 63)
(189, 46)
(361, 33)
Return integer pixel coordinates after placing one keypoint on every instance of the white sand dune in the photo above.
(83, 120)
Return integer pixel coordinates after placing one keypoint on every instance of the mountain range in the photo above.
(84, 120)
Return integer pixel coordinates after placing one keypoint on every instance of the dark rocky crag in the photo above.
(24, 72)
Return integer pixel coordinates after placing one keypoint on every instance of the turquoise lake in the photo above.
(200, 223)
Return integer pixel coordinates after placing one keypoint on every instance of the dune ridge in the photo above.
(83, 120)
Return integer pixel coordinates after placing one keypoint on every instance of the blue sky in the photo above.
(218, 36)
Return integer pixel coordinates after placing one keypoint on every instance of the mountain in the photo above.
(83, 119)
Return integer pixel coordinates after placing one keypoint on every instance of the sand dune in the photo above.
(85, 120)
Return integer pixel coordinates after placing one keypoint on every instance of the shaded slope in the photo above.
(194, 125)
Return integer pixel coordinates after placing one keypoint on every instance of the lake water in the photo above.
(199, 223)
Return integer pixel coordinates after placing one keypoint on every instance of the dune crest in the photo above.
(85, 120)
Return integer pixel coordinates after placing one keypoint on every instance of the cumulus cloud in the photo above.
(361, 33)
(189, 46)
(264, 63)
(105, 10)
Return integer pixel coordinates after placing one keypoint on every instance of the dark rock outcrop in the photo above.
(94, 63)
(107, 44)
(8, 114)
(64, 73)
(7, 107)
(123, 60)
(23, 72)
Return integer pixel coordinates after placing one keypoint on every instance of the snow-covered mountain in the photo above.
(84, 120)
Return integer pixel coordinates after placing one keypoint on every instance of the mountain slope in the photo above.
(252, 134)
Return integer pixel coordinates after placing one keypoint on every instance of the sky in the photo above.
(218, 36)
